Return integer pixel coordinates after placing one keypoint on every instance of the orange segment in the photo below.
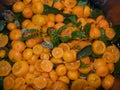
(94, 80)
(46, 65)
(69, 3)
(73, 65)
(53, 75)
(59, 85)
(3, 40)
(79, 84)
(98, 47)
(37, 49)
(40, 82)
(8, 83)
(20, 68)
(29, 79)
(5, 68)
(19, 84)
(57, 52)
(64, 46)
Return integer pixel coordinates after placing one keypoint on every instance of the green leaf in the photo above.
(84, 52)
(103, 36)
(68, 17)
(79, 34)
(96, 12)
(1, 83)
(2, 25)
(83, 65)
(117, 36)
(61, 28)
(82, 2)
(94, 56)
(48, 10)
(65, 39)
(28, 37)
(117, 69)
(87, 29)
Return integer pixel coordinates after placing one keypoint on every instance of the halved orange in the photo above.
(20, 68)
(5, 68)
(3, 40)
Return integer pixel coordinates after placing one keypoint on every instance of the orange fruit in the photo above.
(112, 54)
(59, 18)
(85, 60)
(98, 47)
(37, 7)
(61, 70)
(102, 71)
(27, 1)
(20, 68)
(14, 55)
(111, 67)
(37, 66)
(65, 79)
(40, 82)
(94, 80)
(37, 49)
(79, 84)
(73, 75)
(78, 10)
(8, 83)
(69, 3)
(94, 33)
(64, 46)
(3, 40)
(51, 17)
(18, 6)
(50, 24)
(58, 25)
(11, 26)
(29, 88)
(2, 53)
(47, 2)
(108, 82)
(45, 56)
(73, 65)
(15, 34)
(5, 68)
(19, 83)
(99, 62)
(85, 70)
(87, 11)
(27, 12)
(69, 56)
(25, 23)
(33, 59)
(57, 52)
(46, 65)
(59, 85)
(29, 78)
(99, 18)
(56, 60)
(103, 24)
(89, 88)
(27, 53)
(31, 42)
(38, 19)
(82, 21)
(31, 69)
(110, 33)
(18, 46)
(53, 75)
(58, 5)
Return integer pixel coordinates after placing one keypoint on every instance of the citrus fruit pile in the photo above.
(63, 53)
